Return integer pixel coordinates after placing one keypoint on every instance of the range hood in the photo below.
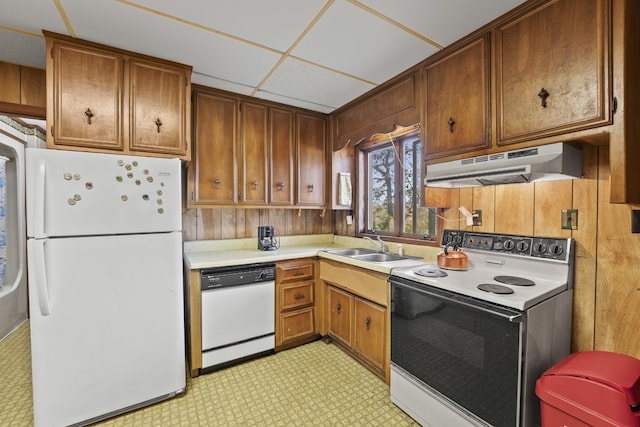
(550, 162)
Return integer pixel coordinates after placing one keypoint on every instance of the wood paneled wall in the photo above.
(238, 223)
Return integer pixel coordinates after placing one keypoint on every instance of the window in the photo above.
(394, 189)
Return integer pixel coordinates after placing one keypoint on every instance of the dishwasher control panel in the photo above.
(236, 275)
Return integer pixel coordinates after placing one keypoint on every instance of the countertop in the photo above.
(221, 253)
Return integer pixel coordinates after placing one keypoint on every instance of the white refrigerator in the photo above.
(104, 255)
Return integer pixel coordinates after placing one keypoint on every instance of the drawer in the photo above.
(296, 294)
(293, 272)
(297, 324)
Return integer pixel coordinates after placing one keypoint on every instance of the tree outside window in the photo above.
(394, 189)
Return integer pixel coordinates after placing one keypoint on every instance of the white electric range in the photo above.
(468, 345)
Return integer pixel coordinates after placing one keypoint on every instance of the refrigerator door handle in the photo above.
(40, 272)
(38, 200)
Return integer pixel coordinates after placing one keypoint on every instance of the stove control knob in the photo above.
(508, 244)
(540, 248)
(522, 246)
(556, 249)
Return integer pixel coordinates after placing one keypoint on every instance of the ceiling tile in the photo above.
(275, 24)
(350, 40)
(443, 21)
(300, 80)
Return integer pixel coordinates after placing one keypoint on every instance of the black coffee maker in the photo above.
(266, 238)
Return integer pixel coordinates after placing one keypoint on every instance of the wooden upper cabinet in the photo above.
(282, 153)
(253, 182)
(457, 107)
(312, 164)
(552, 70)
(212, 172)
(85, 97)
(158, 106)
(106, 99)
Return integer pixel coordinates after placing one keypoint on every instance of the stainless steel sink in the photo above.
(351, 251)
(381, 257)
(369, 255)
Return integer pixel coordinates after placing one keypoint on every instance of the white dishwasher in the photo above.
(238, 314)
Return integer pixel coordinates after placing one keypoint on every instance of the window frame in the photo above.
(398, 234)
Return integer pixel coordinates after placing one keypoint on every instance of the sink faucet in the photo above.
(379, 243)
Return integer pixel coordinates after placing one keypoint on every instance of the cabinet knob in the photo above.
(216, 183)
(367, 322)
(89, 115)
(310, 188)
(451, 122)
(543, 94)
(338, 307)
(158, 124)
(255, 185)
(281, 186)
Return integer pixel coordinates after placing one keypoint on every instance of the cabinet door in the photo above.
(370, 331)
(85, 106)
(311, 143)
(253, 149)
(457, 101)
(158, 102)
(553, 70)
(340, 306)
(282, 153)
(212, 173)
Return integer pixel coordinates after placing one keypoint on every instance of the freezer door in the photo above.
(107, 325)
(72, 193)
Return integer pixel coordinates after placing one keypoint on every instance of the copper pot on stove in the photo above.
(453, 259)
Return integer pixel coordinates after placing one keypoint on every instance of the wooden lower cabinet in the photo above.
(369, 331)
(295, 303)
(356, 314)
(341, 309)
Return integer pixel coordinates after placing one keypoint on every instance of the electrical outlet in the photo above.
(569, 219)
(477, 217)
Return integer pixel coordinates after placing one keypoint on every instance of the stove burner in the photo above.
(431, 272)
(513, 280)
(495, 289)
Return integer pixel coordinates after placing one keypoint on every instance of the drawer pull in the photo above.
(298, 273)
(367, 322)
(338, 307)
(298, 296)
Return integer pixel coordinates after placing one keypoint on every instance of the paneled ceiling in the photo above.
(314, 54)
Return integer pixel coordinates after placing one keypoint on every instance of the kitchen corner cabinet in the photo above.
(311, 143)
(357, 316)
(457, 107)
(212, 173)
(104, 99)
(295, 303)
(553, 71)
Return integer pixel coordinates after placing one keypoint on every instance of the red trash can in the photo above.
(591, 388)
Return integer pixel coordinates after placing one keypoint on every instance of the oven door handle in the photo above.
(516, 319)
(512, 315)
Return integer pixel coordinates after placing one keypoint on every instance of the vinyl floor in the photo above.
(312, 385)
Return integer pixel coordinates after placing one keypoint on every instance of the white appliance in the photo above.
(238, 314)
(468, 345)
(105, 284)
(13, 275)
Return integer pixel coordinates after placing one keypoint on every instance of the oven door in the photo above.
(465, 351)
